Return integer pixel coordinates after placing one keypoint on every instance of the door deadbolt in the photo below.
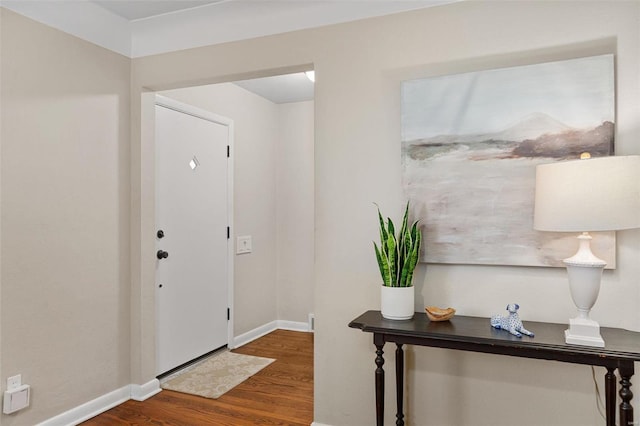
(160, 233)
(161, 254)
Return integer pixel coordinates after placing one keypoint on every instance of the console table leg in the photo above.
(379, 383)
(626, 409)
(610, 396)
(399, 384)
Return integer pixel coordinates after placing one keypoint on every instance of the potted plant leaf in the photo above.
(397, 258)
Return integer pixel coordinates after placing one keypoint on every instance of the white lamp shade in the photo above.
(597, 194)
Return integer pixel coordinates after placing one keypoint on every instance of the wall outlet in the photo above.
(16, 399)
(312, 322)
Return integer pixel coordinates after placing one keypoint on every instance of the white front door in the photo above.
(192, 234)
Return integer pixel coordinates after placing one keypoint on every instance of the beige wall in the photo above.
(295, 199)
(65, 217)
(359, 67)
(65, 207)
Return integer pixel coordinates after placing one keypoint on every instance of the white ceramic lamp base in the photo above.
(585, 271)
(584, 332)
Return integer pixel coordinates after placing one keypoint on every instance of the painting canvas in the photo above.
(470, 145)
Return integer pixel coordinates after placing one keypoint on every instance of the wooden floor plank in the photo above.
(280, 394)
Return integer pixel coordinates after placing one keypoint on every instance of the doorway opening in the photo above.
(272, 236)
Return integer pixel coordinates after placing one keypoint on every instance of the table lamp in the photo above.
(594, 194)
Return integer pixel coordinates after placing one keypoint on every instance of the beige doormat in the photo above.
(215, 375)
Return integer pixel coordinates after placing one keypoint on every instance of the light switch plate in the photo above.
(243, 244)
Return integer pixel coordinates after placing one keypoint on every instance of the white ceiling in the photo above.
(281, 89)
(140, 9)
(138, 28)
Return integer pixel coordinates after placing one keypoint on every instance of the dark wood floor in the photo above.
(280, 394)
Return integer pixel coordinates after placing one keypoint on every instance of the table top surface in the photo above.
(619, 344)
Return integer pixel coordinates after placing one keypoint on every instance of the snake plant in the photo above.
(398, 255)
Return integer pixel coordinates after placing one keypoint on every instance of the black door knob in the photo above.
(160, 233)
(162, 254)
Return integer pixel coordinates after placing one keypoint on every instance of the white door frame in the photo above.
(215, 118)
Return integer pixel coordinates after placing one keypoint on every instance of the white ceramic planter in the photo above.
(397, 302)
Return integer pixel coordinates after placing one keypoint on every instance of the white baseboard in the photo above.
(146, 391)
(103, 403)
(258, 332)
(293, 325)
(252, 335)
(319, 424)
(90, 409)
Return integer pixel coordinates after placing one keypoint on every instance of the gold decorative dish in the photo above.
(438, 314)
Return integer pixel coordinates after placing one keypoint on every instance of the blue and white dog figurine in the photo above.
(512, 323)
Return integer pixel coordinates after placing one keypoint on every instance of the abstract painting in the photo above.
(470, 145)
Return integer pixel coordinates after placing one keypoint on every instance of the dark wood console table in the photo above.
(476, 335)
